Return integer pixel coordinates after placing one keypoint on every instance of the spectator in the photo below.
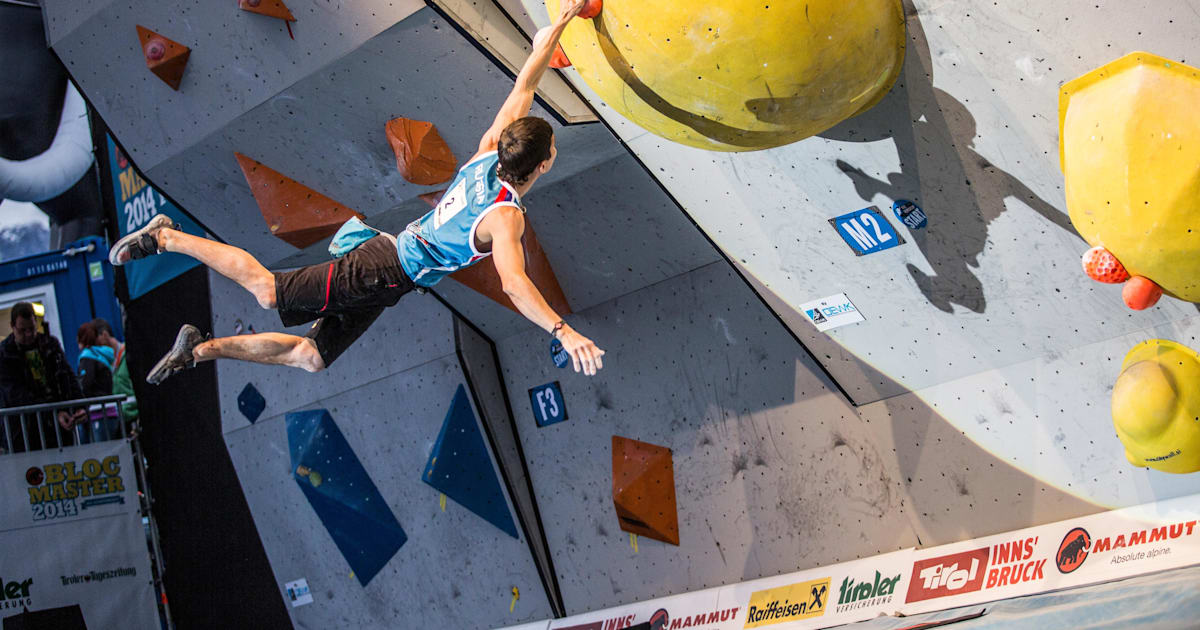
(122, 383)
(34, 370)
(95, 362)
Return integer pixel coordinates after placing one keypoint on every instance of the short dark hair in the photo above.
(101, 325)
(523, 144)
(20, 309)
(87, 334)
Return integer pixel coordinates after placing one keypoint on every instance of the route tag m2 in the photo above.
(866, 231)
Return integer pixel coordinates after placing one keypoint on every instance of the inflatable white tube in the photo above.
(55, 170)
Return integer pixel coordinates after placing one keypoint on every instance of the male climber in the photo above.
(479, 215)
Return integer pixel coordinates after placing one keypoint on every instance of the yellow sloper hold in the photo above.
(1129, 146)
(1156, 406)
(738, 75)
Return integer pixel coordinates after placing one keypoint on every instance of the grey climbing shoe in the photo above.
(179, 358)
(141, 243)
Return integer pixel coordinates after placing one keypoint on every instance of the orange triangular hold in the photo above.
(421, 154)
(432, 198)
(165, 57)
(484, 278)
(272, 8)
(644, 489)
(294, 212)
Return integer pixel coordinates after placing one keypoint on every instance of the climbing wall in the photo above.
(972, 399)
(970, 133)
(774, 470)
(388, 396)
(312, 109)
(991, 286)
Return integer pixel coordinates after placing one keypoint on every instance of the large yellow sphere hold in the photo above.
(1156, 406)
(1129, 144)
(738, 75)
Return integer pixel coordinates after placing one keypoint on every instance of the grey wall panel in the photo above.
(611, 229)
(327, 131)
(455, 571)
(238, 60)
(775, 471)
(496, 321)
(479, 364)
(696, 364)
(408, 334)
(1051, 418)
(63, 16)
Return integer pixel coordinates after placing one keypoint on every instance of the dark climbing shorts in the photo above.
(343, 296)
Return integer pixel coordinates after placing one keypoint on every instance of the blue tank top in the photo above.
(443, 241)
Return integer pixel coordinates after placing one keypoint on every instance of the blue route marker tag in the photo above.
(910, 214)
(866, 231)
(548, 404)
(559, 354)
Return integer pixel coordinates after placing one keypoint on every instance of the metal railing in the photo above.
(38, 427)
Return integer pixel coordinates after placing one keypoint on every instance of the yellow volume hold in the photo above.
(738, 75)
(1156, 406)
(1129, 146)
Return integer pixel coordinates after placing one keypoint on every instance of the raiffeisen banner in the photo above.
(137, 202)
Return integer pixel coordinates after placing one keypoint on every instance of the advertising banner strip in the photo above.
(823, 597)
(1077, 552)
(79, 482)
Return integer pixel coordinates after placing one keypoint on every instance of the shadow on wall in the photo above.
(895, 454)
(961, 191)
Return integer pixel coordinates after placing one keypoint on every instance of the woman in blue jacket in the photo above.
(95, 363)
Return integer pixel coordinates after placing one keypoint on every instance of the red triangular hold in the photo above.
(559, 60)
(422, 156)
(294, 212)
(166, 58)
(272, 8)
(484, 278)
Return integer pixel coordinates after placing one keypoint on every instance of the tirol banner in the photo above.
(69, 484)
(92, 573)
(137, 202)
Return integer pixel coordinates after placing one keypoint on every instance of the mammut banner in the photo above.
(54, 486)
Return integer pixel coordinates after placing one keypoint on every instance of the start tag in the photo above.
(559, 354)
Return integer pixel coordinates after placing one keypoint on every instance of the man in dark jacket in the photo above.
(34, 370)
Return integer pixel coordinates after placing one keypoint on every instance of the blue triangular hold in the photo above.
(461, 468)
(251, 403)
(342, 494)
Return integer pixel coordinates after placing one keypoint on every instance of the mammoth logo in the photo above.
(1073, 550)
(34, 476)
(660, 620)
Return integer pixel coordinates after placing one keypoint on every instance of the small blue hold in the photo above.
(559, 353)
(251, 403)
(910, 214)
